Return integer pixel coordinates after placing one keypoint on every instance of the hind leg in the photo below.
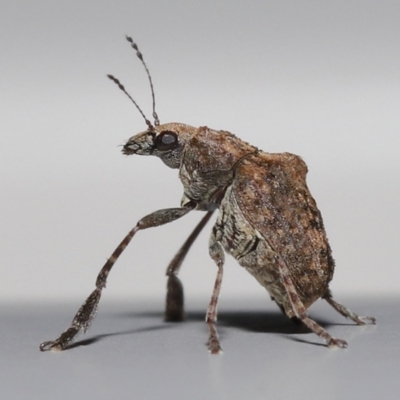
(346, 312)
(301, 311)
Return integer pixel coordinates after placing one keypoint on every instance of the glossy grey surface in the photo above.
(131, 353)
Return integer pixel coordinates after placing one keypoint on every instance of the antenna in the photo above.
(140, 57)
(115, 80)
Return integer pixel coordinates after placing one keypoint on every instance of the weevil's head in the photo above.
(166, 141)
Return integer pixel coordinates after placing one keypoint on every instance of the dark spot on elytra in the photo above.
(316, 224)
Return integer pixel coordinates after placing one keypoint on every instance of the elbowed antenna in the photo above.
(121, 86)
(115, 80)
(140, 57)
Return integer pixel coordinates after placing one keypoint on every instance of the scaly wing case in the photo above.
(271, 193)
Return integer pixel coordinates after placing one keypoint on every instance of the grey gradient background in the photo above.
(320, 79)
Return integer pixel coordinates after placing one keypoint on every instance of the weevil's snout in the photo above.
(142, 143)
(130, 147)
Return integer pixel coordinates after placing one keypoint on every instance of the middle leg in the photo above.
(174, 305)
(217, 254)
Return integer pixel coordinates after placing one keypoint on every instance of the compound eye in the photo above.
(166, 140)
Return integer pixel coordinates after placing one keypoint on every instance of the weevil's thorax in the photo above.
(208, 166)
(206, 158)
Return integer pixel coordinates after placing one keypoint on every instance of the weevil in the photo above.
(267, 220)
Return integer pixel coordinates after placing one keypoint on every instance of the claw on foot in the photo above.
(214, 347)
(342, 344)
(367, 320)
(50, 345)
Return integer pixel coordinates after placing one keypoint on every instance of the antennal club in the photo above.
(121, 86)
(140, 57)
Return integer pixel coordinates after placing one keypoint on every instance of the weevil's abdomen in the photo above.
(254, 252)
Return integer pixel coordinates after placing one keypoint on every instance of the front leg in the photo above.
(86, 313)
